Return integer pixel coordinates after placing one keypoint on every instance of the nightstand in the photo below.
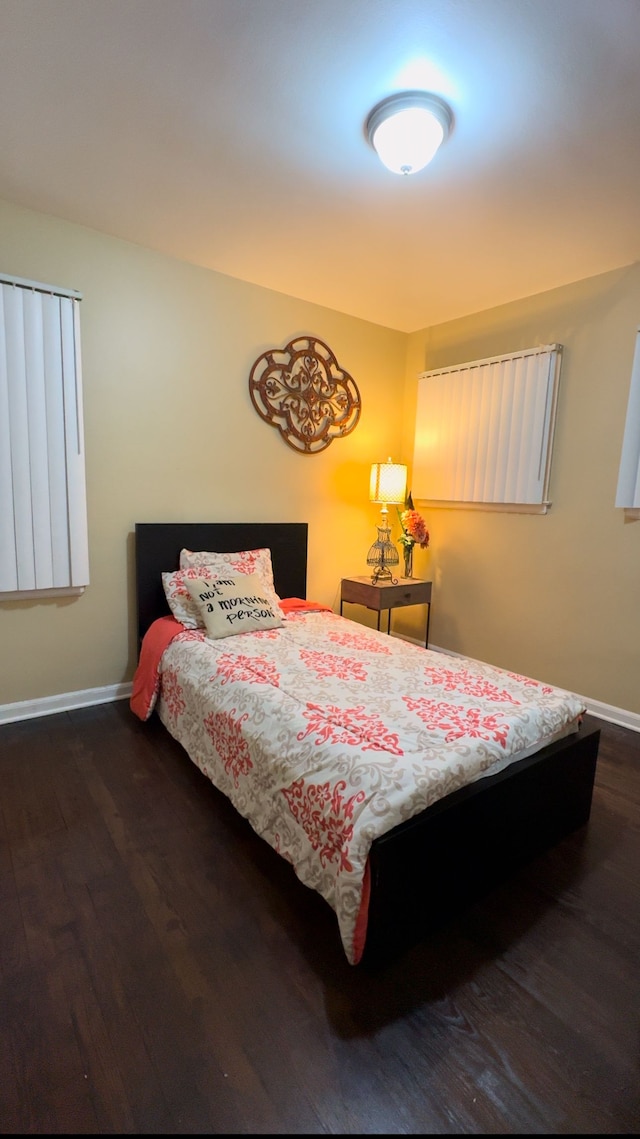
(386, 595)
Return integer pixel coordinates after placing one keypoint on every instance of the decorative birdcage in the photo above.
(382, 554)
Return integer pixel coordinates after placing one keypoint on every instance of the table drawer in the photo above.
(395, 596)
(361, 591)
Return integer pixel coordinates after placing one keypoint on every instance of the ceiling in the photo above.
(230, 134)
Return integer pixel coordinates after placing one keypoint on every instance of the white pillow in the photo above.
(233, 605)
(180, 602)
(226, 565)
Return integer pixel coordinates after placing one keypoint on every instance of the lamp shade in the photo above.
(388, 483)
(407, 129)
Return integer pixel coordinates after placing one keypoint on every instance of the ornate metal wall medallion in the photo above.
(302, 390)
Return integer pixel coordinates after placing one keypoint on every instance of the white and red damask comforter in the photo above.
(325, 734)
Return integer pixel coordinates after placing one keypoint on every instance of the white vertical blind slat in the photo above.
(525, 386)
(8, 564)
(506, 491)
(19, 429)
(542, 383)
(542, 417)
(58, 498)
(459, 427)
(502, 420)
(449, 462)
(436, 417)
(38, 445)
(483, 461)
(628, 489)
(490, 453)
(470, 414)
(78, 546)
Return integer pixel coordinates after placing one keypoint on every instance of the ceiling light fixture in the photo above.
(407, 128)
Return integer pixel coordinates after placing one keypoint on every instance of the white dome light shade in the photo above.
(406, 130)
(408, 140)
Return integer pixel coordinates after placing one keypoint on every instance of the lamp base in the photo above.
(383, 554)
(383, 574)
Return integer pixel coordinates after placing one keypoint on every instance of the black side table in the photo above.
(386, 595)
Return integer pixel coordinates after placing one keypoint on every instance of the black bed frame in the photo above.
(426, 870)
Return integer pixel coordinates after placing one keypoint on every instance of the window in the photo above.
(628, 493)
(484, 432)
(43, 523)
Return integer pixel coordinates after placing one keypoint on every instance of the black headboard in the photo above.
(158, 545)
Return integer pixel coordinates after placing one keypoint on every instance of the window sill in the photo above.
(42, 594)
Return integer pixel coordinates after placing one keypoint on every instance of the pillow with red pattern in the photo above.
(244, 561)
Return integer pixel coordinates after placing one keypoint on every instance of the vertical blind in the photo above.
(484, 430)
(43, 523)
(628, 492)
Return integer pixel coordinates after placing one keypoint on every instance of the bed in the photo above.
(402, 861)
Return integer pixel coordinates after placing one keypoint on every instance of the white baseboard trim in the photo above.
(63, 702)
(614, 715)
(67, 701)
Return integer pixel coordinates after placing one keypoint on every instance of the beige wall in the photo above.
(554, 596)
(171, 434)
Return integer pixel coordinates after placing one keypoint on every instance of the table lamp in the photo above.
(388, 485)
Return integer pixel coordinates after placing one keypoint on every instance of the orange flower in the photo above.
(414, 528)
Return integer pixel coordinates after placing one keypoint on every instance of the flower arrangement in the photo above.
(414, 529)
(414, 533)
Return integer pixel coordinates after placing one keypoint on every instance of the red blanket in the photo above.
(293, 604)
(146, 681)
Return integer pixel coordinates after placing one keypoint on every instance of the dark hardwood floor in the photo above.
(163, 971)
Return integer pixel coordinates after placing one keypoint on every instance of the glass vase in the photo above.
(407, 553)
